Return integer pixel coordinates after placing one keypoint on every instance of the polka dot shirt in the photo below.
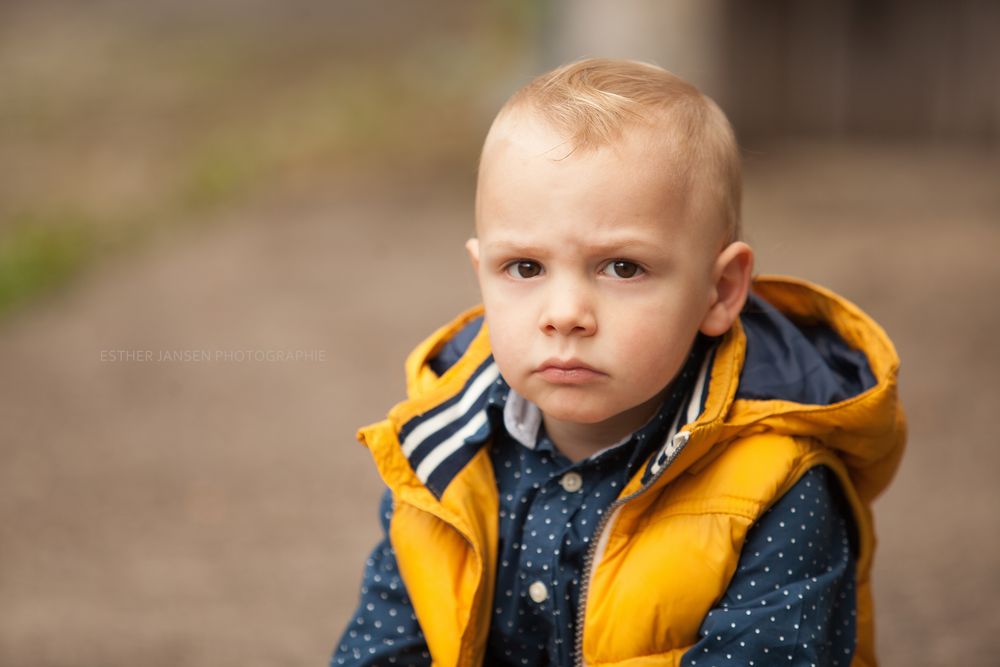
(550, 511)
(384, 630)
(791, 601)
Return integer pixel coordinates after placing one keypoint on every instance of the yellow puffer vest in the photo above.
(667, 551)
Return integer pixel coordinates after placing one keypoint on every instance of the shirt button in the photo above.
(571, 482)
(538, 592)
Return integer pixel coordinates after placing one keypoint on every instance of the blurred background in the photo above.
(223, 224)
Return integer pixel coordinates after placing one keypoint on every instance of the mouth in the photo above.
(568, 371)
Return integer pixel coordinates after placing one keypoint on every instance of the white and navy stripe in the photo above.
(440, 442)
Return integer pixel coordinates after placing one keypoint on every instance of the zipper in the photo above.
(677, 443)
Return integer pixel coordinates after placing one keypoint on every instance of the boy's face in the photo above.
(594, 279)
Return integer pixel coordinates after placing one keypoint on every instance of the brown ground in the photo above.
(218, 513)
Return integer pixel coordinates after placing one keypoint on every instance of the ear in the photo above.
(472, 247)
(731, 275)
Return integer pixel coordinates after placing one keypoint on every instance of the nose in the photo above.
(568, 312)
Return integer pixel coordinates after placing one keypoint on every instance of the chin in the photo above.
(576, 411)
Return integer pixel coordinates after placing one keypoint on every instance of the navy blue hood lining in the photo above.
(802, 362)
(456, 346)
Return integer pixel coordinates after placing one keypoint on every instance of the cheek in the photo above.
(507, 311)
(650, 354)
(653, 345)
(507, 337)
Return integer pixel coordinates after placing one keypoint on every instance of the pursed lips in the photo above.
(568, 371)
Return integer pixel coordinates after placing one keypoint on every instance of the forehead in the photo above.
(532, 178)
(521, 136)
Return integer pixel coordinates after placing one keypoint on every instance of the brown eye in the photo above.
(524, 269)
(621, 268)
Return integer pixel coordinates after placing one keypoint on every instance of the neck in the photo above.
(578, 441)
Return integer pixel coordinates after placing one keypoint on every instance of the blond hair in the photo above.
(592, 101)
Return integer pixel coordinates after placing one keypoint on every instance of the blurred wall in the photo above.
(823, 68)
(683, 36)
(876, 68)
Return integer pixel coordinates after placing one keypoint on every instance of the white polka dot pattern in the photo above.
(550, 508)
(384, 629)
(792, 599)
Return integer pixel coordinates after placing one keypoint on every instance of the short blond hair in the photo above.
(592, 101)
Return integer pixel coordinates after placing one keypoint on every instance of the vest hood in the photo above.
(811, 364)
(801, 363)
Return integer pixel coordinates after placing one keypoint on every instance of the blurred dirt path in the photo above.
(213, 512)
(217, 512)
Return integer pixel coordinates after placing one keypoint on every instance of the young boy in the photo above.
(633, 453)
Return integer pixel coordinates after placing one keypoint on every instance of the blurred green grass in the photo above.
(37, 255)
(116, 120)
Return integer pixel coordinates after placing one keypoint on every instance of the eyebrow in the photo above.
(622, 245)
